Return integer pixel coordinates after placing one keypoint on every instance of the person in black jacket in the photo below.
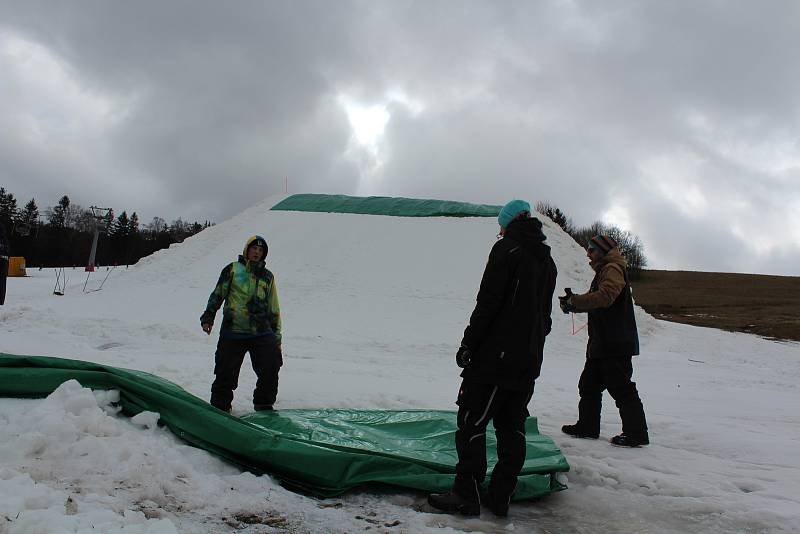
(613, 341)
(501, 354)
(4, 252)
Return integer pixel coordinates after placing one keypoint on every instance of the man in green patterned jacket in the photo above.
(251, 322)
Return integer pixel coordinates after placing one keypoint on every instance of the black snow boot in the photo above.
(625, 440)
(453, 503)
(463, 499)
(263, 407)
(498, 506)
(577, 432)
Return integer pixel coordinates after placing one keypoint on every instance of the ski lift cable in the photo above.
(98, 288)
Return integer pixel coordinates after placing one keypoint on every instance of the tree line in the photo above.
(62, 236)
(629, 244)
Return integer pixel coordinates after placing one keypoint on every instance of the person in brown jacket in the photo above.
(613, 341)
(4, 253)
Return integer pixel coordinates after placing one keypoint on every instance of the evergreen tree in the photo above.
(8, 208)
(121, 227)
(30, 213)
(68, 234)
(109, 221)
(57, 216)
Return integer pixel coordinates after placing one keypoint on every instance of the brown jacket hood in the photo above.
(612, 257)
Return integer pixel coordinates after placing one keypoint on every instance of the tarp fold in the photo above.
(323, 452)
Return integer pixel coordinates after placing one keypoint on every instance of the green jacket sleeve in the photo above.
(275, 310)
(217, 296)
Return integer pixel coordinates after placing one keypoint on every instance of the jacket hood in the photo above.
(613, 256)
(528, 233)
(254, 239)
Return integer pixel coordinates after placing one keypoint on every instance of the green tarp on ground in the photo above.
(323, 452)
(395, 206)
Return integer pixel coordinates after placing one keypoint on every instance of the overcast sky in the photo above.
(676, 120)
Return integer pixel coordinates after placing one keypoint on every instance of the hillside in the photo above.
(768, 306)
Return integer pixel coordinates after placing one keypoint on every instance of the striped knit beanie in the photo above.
(603, 243)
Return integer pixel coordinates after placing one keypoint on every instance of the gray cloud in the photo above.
(677, 121)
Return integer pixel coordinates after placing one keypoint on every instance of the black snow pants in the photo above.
(507, 409)
(266, 359)
(3, 275)
(614, 375)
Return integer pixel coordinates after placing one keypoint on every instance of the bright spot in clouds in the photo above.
(617, 216)
(368, 122)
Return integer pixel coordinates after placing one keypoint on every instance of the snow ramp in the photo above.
(324, 452)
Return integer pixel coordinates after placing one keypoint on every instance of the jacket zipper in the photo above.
(514, 298)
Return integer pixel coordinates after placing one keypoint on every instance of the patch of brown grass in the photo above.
(765, 305)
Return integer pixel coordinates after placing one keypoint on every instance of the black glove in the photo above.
(463, 356)
(207, 317)
(564, 302)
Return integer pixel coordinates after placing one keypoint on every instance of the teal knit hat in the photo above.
(511, 210)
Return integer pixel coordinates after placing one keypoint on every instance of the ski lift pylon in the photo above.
(99, 215)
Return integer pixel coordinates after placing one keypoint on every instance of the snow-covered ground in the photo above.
(373, 310)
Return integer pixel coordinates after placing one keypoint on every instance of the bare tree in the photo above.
(84, 221)
(73, 216)
(629, 244)
(156, 226)
(556, 215)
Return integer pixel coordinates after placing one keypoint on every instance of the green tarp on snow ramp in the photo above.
(324, 452)
(394, 206)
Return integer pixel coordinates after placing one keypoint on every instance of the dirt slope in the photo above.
(765, 305)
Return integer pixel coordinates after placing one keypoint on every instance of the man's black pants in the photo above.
(507, 409)
(266, 359)
(612, 374)
(3, 275)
